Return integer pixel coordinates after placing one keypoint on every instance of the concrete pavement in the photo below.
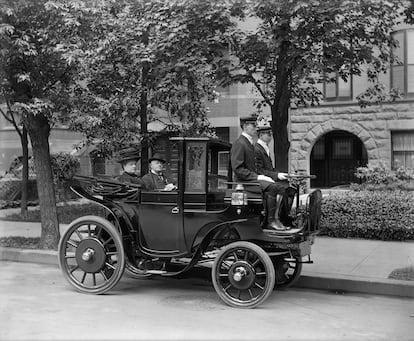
(36, 303)
(354, 265)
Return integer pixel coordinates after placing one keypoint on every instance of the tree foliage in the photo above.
(298, 44)
(36, 79)
(148, 61)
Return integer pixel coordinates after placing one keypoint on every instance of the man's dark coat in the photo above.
(152, 181)
(264, 162)
(243, 163)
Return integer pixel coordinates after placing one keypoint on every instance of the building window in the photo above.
(339, 90)
(319, 150)
(402, 70)
(403, 149)
(223, 133)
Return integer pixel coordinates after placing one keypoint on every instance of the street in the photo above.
(36, 303)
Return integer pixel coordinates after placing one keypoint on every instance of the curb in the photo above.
(339, 283)
(29, 256)
(343, 284)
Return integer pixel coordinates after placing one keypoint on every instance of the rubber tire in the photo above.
(112, 231)
(265, 259)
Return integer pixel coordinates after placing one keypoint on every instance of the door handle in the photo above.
(175, 210)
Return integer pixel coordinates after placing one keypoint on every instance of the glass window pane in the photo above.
(410, 47)
(403, 141)
(403, 149)
(344, 88)
(330, 90)
(196, 167)
(223, 163)
(399, 51)
(398, 78)
(410, 78)
(319, 150)
(342, 149)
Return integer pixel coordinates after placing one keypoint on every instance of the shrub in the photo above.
(64, 167)
(381, 215)
(381, 178)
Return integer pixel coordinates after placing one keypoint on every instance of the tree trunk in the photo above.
(143, 103)
(280, 115)
(280, 111)
(25, 172)
(39, 130)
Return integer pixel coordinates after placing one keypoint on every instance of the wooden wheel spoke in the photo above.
(107, 241)
(226, 266)
(94, 279)
(74, 268)
(258, 285)
(223, 275)
(263, 273)
(99, 233)
(227, 287)
(89, 230)
(110, 266)
(104, 276)
(257, 261)
(79, 234)
(83, 277)
(251, 293)
(72, 243)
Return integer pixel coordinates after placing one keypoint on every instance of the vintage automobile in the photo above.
(209, 221)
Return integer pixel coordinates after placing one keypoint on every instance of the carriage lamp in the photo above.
(239, 197)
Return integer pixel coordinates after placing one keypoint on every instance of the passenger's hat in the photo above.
(264, 128)
(248, 119)
(158, 157)
(128, 154)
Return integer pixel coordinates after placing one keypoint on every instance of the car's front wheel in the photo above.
(243, 275)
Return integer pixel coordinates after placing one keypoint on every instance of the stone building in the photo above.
(331, 141)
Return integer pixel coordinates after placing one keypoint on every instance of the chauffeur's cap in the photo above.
(248, 119)
(264, 127)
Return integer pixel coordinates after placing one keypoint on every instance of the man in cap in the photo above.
(243, 162)
(264, 166)
(155, 179)
(128, 158)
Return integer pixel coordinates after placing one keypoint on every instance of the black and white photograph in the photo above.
(207, 170)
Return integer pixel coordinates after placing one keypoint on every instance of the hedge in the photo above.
(380, 215)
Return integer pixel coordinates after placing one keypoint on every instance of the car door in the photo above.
(161, 221)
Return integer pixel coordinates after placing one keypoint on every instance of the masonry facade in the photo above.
(344, 137)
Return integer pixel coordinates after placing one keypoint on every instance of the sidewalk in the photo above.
(339, 264)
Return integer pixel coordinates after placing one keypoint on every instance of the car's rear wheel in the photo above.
(91, 255)
(243, 275)
(287, 270)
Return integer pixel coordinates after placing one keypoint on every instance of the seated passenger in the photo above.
(155, 179)
(128, 159)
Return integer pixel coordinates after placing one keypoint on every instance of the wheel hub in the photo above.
(90, 255)
(242, 275)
